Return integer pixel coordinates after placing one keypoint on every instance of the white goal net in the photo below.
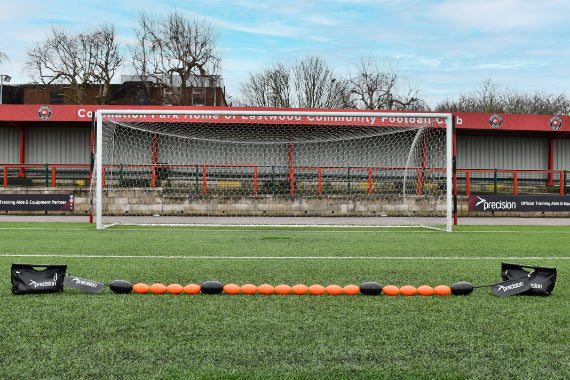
(272, 167)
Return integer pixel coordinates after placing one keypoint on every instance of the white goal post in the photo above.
(272, 167)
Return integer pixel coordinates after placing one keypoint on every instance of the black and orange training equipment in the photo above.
(121, 286)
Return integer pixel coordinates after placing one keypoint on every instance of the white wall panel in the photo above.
(502, 152)
(70, 145)
(57, 145)
(561, 154)
(9, 145)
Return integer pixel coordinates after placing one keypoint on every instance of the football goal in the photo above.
(272, 167)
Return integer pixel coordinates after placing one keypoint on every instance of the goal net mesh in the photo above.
(283, 168)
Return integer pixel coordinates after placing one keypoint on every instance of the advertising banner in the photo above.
(519, 203)
(36, 202)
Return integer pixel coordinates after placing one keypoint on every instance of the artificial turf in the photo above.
(81, 335)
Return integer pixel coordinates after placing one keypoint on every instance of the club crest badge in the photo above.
(555, 123)
(495, 121)
(44, 112)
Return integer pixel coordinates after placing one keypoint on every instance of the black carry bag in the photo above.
(542, 279)
(38, 278)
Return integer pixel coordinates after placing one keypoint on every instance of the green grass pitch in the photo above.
(79, 335)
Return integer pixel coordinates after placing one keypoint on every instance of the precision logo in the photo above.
(510, 287)
(79, 281)
(498, 205)
(45, 284)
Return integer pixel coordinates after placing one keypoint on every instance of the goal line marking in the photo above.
(280, 228)
(201, 257)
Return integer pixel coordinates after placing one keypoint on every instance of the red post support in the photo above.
(204, 180)
(22, 173)
(369, 181)
(154, 158)
(515, 183)
(53, 176)
(255, 180)
(550, 181)
(419, 181)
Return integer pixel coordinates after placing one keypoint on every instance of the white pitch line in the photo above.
(356, 229)
(291, 257)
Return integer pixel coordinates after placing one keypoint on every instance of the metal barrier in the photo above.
(283, 179)
(513, 182)
(48, 174)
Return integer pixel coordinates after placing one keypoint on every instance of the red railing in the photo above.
(492, 177)
(513, 176)
(47, 169)
(347, 169)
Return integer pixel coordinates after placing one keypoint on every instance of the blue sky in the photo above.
(441, 47)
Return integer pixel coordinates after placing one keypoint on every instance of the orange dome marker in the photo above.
(158, 288)
(408, 290)
(391, 290)
(174, 288)
(265, 289)
(232, 288)
(192, 288)
(248, 288)
(300, 289)
(351, 289)
(442, 290)
(425, 290)
(316, 289)
(333, 289)
(283, 289)
(141, 288)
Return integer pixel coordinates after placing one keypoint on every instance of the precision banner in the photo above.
(83, 284)
(511, 287)
(519, 203)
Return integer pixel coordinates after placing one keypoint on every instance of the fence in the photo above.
(256, 179)
(512, 182)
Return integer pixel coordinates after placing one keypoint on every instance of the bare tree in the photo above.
(316, 86)
(310, 83)
(3, 57)
(490, 97)
(143, 61)
(59, 59)
(77, 62)
(376, 88)
(173, 49)
(268, 88)
(538, 103)
(279, 79)
(107, 59)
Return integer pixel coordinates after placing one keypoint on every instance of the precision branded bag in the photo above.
(38, 278)
(541, 279)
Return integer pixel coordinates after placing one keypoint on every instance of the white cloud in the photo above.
(500, 15)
